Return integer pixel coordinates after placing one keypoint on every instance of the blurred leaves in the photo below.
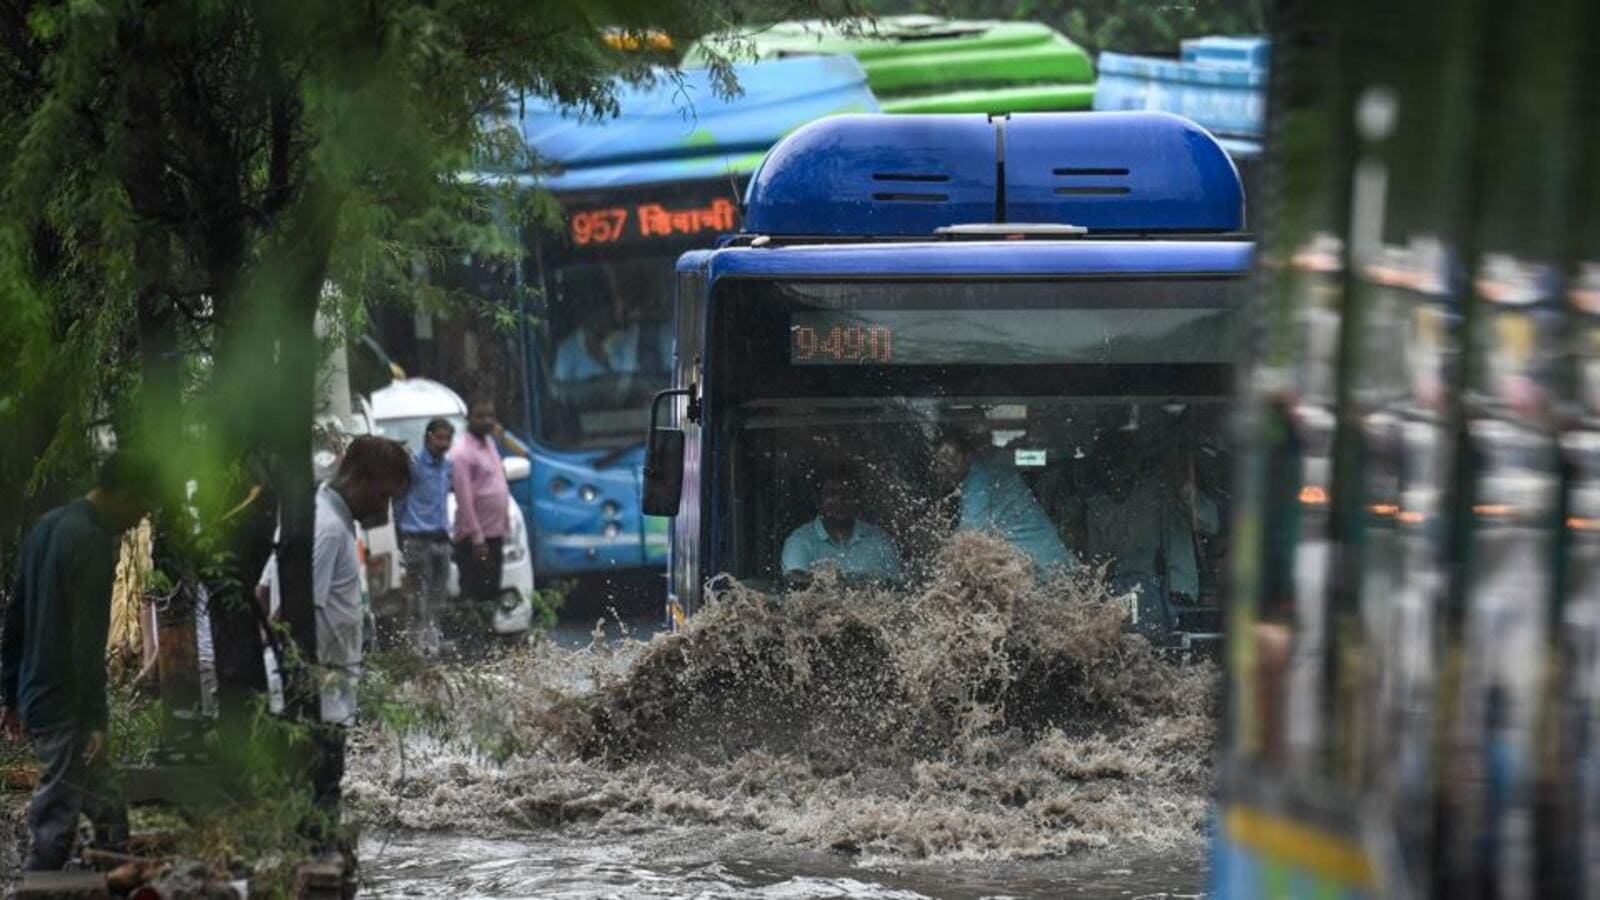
(179, 180)
(186, 185)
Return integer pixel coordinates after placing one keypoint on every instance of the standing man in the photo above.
(483, 500)
(422, 516)
(53, 660)
(372, 472)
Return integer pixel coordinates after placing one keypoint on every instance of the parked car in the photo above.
(402, 411)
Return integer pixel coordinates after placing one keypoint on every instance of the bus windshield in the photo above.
(605, 349)
(1081, 421)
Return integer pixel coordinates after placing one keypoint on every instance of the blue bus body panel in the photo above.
(681, 130)
(996, 259)
(522, 492)
(900, 176)
(694, 261)
(573, 535)
(1220, 82)
(1250, 52)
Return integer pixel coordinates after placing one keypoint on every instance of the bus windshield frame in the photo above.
(773, 420)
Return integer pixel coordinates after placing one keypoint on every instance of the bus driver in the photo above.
(619, 338)
(838, 536)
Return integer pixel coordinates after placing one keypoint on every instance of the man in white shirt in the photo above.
(372, 471)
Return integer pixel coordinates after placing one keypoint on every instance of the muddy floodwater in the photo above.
(444, 865)
(981, 735)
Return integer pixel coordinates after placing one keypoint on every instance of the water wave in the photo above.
(982, 715)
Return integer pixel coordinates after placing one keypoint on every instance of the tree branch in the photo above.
(19, 39)
(280, 159)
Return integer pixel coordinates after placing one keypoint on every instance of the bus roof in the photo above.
(905, 176)
(680, 130)
(976, 259)
(926, 64)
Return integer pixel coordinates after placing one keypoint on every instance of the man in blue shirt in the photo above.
(53, 660)
(993, 498)
(838, 537)
(422, 517)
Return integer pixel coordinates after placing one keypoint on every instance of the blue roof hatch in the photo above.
(909, 175)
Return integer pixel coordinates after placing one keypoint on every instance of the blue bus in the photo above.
(1048, 296)
(635, 191)
(1219, 82)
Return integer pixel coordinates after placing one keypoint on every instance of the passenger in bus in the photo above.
(622, 337)
(607, 347)
(838, 535)
(1146, 516)
(992, 497)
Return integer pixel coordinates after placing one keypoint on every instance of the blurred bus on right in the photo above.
(1413, 662)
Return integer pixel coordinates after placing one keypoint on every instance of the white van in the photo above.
(402, 411)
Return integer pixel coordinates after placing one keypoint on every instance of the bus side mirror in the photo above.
(663, 458)
(663, 472)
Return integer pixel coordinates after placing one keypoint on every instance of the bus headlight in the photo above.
(588, 493)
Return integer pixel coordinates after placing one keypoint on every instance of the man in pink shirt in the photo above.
(483, 500)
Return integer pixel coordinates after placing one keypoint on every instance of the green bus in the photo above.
(927, 64)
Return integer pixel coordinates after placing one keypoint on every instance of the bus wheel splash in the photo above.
(983, 715)
(979, 652)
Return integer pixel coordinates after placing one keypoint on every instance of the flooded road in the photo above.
(549, 865)
(980, 736)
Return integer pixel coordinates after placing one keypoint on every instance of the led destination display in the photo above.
(1007, 337)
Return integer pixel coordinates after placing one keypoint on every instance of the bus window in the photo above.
(606, 347)
(1079, 421)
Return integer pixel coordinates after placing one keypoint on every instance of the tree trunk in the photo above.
(270, 394)
(144, 177)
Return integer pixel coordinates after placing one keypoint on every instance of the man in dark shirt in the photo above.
(53, 660)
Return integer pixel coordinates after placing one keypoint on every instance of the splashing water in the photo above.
(984, 718)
